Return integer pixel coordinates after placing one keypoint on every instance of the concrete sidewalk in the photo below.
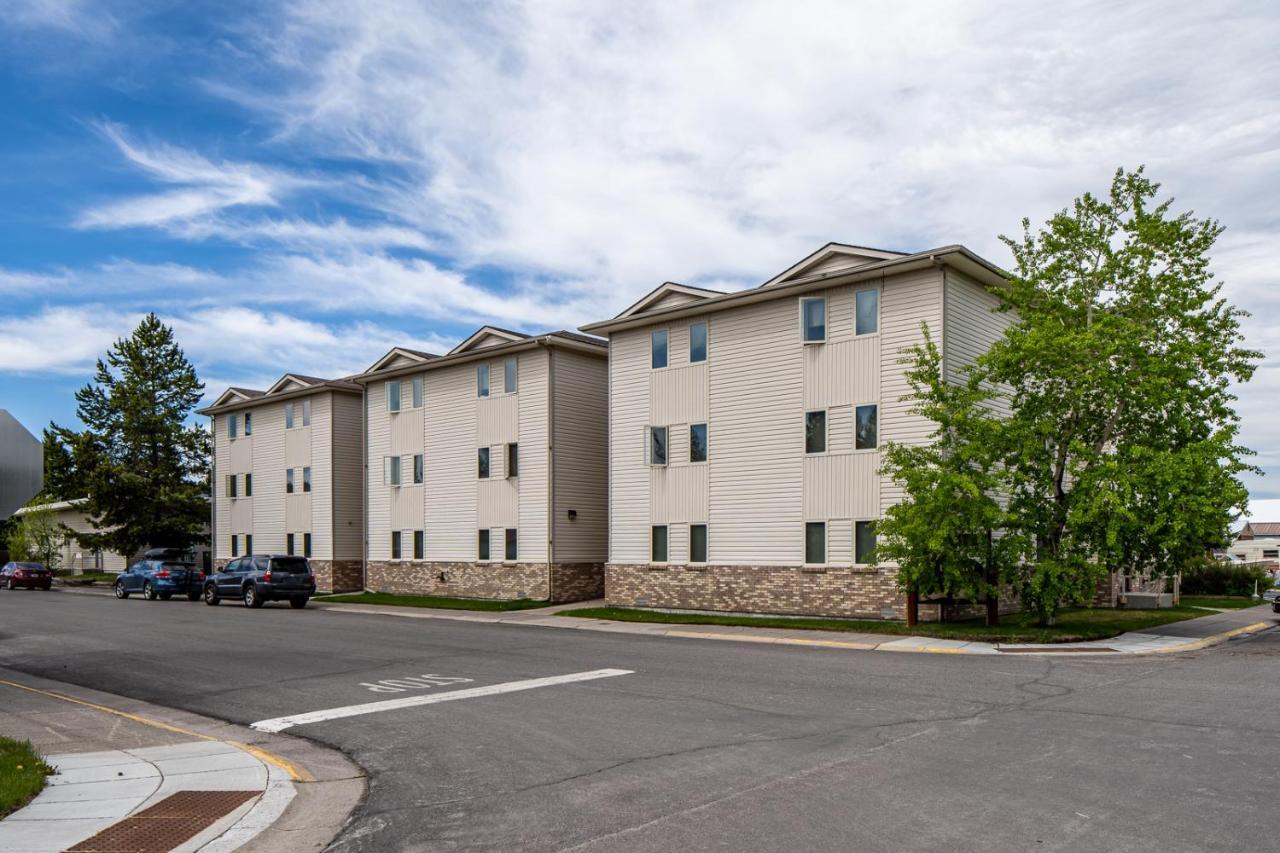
(117, 757)
(1182, 636)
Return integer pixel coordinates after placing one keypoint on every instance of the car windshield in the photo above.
(28, 566)
(289, 565)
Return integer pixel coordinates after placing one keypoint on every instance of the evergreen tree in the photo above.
(62, 481)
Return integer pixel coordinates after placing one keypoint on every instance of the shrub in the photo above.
(1211, 577)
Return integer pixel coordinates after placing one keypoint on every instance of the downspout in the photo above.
(551, 465)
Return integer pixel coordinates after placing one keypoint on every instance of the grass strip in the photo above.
(1220, 602)
(22, 774)
(389, 600)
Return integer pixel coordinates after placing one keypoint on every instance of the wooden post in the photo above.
(993, 610)
(913, 608)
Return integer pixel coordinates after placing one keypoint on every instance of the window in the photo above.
(813, 319)
(482, 463)
(513, 460)
(418, 541)
(865, 428)
(417, 392)
(306, 544)
(482, 380)
(231, 485)
(248, 423)
(697, 543)
(395, 544)
(658, 349)
(248, 543)
(867, 312)
(864, 542)
(510, 550)
(698, 342)
(288, 415)
(391, 470)
(288, 481)
(288, 544)
(393, 396)
(482, 545)
(658, 543)
(248, 485)
(698, 443)
(306, 413)
(231, 425)
(657, 445)
(815, 543)
(306, 479)
(1270, 555)
(417, 468)
(815, 432)
(235, 545)
(510, 376)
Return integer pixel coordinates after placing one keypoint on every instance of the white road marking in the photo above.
(279, 724)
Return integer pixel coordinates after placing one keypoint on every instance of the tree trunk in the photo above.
(913, 608)
(993, 610)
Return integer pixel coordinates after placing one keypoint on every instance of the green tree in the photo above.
(144, 469)
(1121, 446)
(38, 535)
(62, 481)
(949, 535)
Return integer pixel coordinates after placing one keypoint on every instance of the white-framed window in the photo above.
(698, 342)
(231, 485)
(235, 545)
(306, 544)
(248, 485)
(419, 544)
(232, 423)
(288, 419)
(656, 445)
(658, 349)
(697, 543)
(815, 543)
(417, 468)
(510, 545)
(306, 413)
(393, 396)
(248, 544)
(482, 463)
(510, 375)
(395, 545)
(417, 392)
(697, 442)
(864, 542)
(391, 470)
(813, 319)
(482, 380)
(866, 427)
(482, 544)
(306, 478)
(513, 461)
(248, 423)
(658, 543)
(288, 481)
(815, 432)
(288, 544)
(866, 313)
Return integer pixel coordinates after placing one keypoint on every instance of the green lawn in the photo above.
(1219, 602)
(1073, 625)
(21, 774)
(107, 578)
(384, 598)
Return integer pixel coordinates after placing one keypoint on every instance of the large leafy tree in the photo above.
(144, 468)
(1122, 442)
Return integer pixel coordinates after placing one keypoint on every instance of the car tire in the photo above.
(298, 602)
(11, 584)
(148, 591)
(47, 587)
(252, 598)
(121, 592)
(165, 596)
(193, 596)
(211, 596)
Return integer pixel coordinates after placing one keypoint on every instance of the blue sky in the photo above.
(300, 186)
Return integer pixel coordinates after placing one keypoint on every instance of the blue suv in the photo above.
(260, 578)
(161, 579)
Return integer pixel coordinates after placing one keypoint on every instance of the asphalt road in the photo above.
(709, 745)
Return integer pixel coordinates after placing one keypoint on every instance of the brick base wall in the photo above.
(564, 581)
(338, 575)
(576, 581)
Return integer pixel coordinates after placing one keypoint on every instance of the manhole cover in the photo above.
(160, 828)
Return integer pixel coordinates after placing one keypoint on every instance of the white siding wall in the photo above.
(379, 495)
(535, 468)
(628, 475)
(972, 325)
(268, 478)
(221, 503)
(581, 440)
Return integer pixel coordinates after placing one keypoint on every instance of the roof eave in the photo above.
(600, 350)
(340, 387)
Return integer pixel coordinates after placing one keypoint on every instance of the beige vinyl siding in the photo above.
(972, 325)
(629, 405)
(672, 299)
(535, 440)
(838, 262)
(268, 482)
(346, 478)
(319, 501)
(221, 503)
(408, 438)
(498, 503)
(498, 415)
(379, 494)
(450, 466)
(581, 441)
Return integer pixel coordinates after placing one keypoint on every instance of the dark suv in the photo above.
(260, 578)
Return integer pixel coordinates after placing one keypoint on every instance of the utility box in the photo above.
(21, 465)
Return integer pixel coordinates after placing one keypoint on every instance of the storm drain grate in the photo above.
(160, 828)
(1006, 650)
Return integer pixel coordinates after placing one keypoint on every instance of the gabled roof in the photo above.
(669, 294)
(833, 256)
(403, 355)
(287, 386)
(487, 336)
(236, 395)
(296, 380)
(1262, 528)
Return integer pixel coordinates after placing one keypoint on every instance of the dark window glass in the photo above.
(510, 544)
(235, 545)
(248, 485)
(697, 543)
(657, 445)
(814, 318)
(393, 396)
(289, 565)
(482, 463)
(658, 349)
(248, 423)
(248, 543)
(482, 380)
(864, 541)
(288, 415)
(395, 544)
(231, 485)
(418, 538)
(288, 481)
(306, 479)
(513, 460)
(815, 542)
(231, 426)
(288, 543)
(482, 545)
(698, 342)
(417, 468)
(417, 392)
(306, 544)
(658, 544)
(865, 426)
(867, 319)
(815, 432)
(698, 443)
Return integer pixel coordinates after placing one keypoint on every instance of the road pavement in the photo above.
(697, 745)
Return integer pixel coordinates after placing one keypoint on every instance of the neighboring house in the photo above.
(1259, 530)
(287, 475)
(1258, 541)
(76, 557)
(746, 428)
(487, 468)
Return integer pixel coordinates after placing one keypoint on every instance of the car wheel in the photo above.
(11, 584)
(121, 592)
(298, 602)
(211, 595)
(251, 597)
(148, 592)
(47, 587)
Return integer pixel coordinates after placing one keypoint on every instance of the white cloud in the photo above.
(62, 340)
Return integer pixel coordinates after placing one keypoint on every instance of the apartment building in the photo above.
(746, 428)
(288, 477)
(487, 468)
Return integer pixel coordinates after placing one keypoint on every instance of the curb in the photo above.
(1216, 639)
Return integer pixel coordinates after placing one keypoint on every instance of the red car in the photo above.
(30, 575)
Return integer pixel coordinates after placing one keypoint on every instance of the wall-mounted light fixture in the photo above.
(573, 513)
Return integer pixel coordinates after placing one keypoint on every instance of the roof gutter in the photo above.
(599, 350)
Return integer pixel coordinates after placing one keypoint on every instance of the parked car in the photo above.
(1273, 595)
(29, 575)
(260, 578)
(162, 579)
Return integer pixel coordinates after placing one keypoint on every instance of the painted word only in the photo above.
(413, 682)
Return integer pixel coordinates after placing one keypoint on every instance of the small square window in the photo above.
(657, 445)
(658, 544)
(510, 376)
(697, 342)
(417, 392)
(815, 432)
(864, 542)
(867, 312)
(417, 468)
(815, 543)
(288, 544)
(306, 544)
(393, 396)
(395, 544)
(813, 319)
(306, 413)
(288, 415)
(482, 380)
(510, 545)
(865, 437)
(306, 479)
(513, 460)
(697, 543)
(482, 545)
(698, 443)
(288, 481)
(482, 463)
(658, 349)
(418, 540)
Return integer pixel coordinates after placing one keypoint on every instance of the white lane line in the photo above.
(279, 724)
